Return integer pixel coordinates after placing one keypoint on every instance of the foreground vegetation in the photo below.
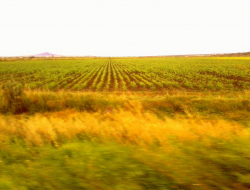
(159, 136)
(124, 141)
(122, 150)
(234, 106)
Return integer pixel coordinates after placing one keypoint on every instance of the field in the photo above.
(137, 74)
(125, 123)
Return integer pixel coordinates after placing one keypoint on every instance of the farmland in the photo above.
(137, 74)
(125, 123)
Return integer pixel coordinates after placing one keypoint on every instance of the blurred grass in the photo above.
(233, 106)
(127, 140)
(122, 150)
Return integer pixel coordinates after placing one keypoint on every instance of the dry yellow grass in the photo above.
(187, 153)
(121, 126)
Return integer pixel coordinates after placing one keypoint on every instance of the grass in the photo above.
(124, 140)
(122, 150)
(230, 106)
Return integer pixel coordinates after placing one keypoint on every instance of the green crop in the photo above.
(133, 74)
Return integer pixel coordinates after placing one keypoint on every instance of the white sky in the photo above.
(124, 27)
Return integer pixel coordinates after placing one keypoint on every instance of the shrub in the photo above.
(14, 98)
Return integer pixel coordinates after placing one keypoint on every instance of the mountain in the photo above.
(240, 54)
(47, 54)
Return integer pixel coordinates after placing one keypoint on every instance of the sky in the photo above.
(124, 27)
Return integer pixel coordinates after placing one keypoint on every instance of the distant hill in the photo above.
(47, 54)
(244, 54)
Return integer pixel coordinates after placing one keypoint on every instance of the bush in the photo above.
(14, 98)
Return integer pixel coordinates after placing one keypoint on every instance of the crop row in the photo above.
(130, 74)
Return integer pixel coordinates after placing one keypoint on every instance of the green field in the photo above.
(137, 74)
(125, 123)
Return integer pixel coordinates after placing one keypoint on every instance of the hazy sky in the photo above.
(124, 27)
